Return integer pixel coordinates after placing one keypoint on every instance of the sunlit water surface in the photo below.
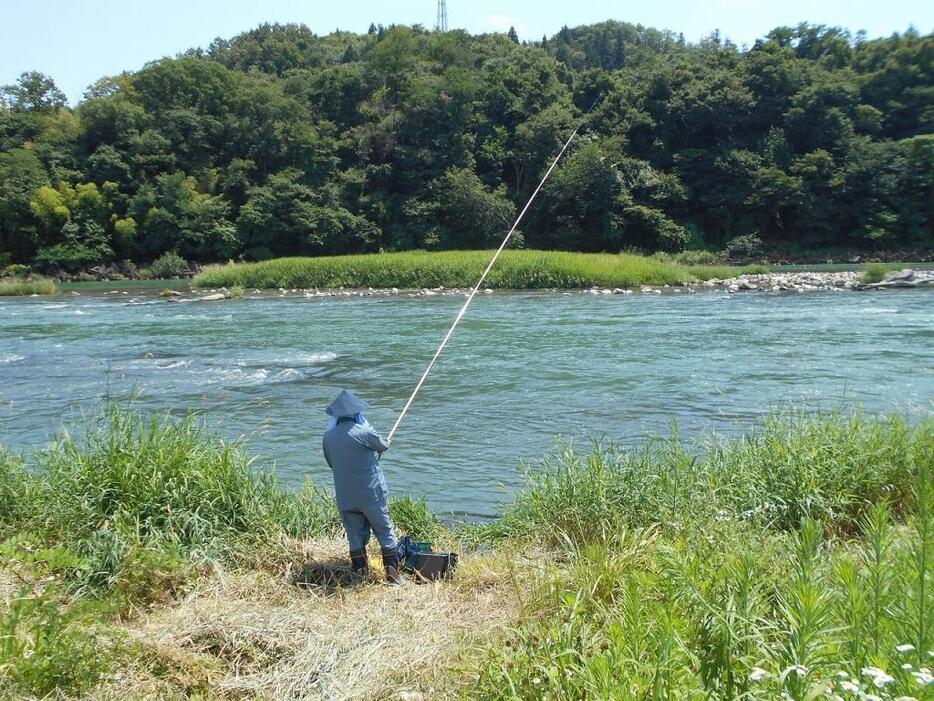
(525, 373)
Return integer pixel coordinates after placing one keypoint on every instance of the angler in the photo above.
(352, 448)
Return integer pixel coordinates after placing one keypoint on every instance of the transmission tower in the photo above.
(442, 24)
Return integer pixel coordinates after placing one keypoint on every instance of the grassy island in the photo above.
(515, 269)
(148, 559)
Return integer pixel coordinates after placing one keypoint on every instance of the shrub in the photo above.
(168, 265)
(236, 292)
(66, 256)
(744, 247)
(698, 258)
(757, 269)
(14, 270)
(874, 272)
(13, 485)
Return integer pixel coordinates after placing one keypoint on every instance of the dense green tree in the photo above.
(280, 141)
(33, 92)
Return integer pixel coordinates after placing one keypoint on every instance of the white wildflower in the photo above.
(871, 671)
(923, 678)
(883, 679)
(849, 686)
(758, 674)
(797, 669)
(905, 698)
(905, 647)
(842, 675)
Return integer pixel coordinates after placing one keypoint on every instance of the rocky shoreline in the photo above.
(814, 281)
(758, 282)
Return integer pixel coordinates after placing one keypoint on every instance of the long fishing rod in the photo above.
(473, 292)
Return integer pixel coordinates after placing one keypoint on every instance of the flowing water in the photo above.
(525, 373)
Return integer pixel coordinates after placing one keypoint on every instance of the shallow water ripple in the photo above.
(525, 371)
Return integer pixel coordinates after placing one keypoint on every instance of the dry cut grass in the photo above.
(257, 633)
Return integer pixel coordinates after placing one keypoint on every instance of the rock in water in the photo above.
(900, 276)
(213, 298)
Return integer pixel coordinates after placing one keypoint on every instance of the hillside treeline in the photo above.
(281, 142)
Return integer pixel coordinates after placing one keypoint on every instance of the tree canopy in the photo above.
(279, 141)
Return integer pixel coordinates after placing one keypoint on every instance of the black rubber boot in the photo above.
(358, 562)
(391, 565)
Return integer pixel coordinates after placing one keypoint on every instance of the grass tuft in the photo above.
(27, 286)
(875, 272)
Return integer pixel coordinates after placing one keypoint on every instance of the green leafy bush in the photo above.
(14, 270)
(744, 247)
(698, 258)
(167, 266)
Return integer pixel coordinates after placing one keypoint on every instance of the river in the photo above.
(525, 373)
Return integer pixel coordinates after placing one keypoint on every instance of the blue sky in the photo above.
(78, 41)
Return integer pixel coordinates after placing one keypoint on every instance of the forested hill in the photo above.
(281, 142)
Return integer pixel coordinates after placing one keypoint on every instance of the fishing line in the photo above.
(473, 292)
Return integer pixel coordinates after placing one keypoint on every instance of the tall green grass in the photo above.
(27, 286)
(134, 490)
(731, 607)
(135, 497)
(733, 568)
(793, 468)
(516, 269)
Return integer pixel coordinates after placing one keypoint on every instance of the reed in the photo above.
(794, 467)
(516, 269)
(27, 286)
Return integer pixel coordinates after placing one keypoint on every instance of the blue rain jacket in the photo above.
(351, 450)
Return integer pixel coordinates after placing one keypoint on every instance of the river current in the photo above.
(523, 375)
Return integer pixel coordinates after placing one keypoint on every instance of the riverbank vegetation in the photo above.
(515, 269)
(795, 559)
(24, 286)
(279, 142)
